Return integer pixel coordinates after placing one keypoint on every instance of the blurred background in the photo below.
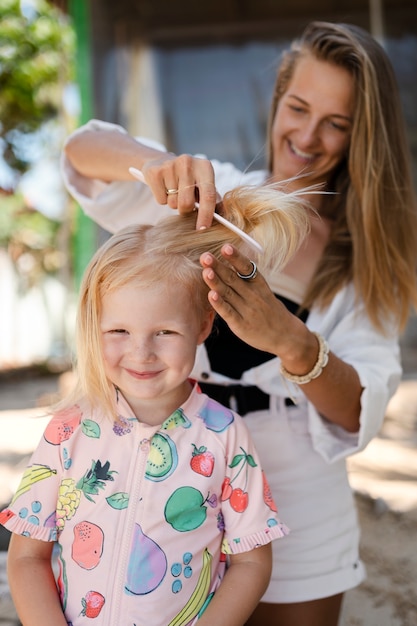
(196, 76)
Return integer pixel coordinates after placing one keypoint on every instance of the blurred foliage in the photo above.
(30, 239)
(37, 45)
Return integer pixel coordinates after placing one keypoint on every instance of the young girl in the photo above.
(142, 482)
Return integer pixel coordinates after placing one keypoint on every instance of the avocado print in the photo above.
(147, 564)
(163, 458)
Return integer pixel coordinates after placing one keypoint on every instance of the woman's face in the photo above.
(313, 122)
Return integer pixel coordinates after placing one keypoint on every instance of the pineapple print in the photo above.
(69, 494)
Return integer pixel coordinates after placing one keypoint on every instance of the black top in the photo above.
(230, 356)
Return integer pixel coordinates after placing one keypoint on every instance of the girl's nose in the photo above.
(144, 349)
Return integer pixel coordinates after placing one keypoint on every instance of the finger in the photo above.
(207, 198)
(206, 193)
(217, 274)
(240, 262)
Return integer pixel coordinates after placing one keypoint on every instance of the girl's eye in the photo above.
(117, 331)
(164, 332)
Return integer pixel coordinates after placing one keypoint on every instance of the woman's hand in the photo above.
(180, 182)
(247, 306)
(255, 315)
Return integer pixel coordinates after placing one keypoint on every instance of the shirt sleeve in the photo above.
(376, 358)
(249, 511)
(117, 204)
(33, 509)
(120, 203)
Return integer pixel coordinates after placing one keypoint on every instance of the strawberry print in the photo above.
(92, 604)
(202, 461)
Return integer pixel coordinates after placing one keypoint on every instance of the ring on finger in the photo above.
(171, 192)
(251, 275)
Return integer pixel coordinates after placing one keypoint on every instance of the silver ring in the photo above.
(251, 275)
(171, 192)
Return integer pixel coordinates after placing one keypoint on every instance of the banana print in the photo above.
(32, 475)
(199, 595)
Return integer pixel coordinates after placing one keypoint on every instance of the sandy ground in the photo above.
(384, 478)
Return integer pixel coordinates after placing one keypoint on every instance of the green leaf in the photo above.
(90, 428)
(237, 459)
(119, 500)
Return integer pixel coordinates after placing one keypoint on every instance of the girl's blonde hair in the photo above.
(169, 252)
(374, 239)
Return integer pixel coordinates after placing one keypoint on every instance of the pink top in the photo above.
(144, 515)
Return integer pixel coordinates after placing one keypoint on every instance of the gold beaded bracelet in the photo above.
(322, 360)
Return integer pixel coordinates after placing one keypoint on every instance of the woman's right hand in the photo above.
(107, 155)
(191, 180)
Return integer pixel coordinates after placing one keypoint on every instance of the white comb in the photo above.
(249, 240)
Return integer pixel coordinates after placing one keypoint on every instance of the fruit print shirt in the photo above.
(143, 516)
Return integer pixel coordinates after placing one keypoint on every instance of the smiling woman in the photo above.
(313, 122)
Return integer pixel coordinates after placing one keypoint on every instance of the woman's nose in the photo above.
(309, 134)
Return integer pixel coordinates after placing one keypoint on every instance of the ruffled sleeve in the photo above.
(249, 511)
(32, 511)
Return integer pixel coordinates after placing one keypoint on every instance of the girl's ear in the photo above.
(206, 326)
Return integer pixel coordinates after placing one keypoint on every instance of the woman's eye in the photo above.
(338, 126)
(296, 109)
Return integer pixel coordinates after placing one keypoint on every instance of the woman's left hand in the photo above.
(249, 307)
(256, 316)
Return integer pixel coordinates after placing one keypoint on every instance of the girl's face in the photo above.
(149, 340)
(313, 122)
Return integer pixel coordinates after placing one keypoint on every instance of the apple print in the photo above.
(185, 509)
(202, 461)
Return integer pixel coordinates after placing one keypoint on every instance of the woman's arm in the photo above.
(32, 583)
(244, 584)
(258, 318)
(107, 153)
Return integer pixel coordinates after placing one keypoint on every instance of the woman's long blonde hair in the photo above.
(374, 240)
(169, 252)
